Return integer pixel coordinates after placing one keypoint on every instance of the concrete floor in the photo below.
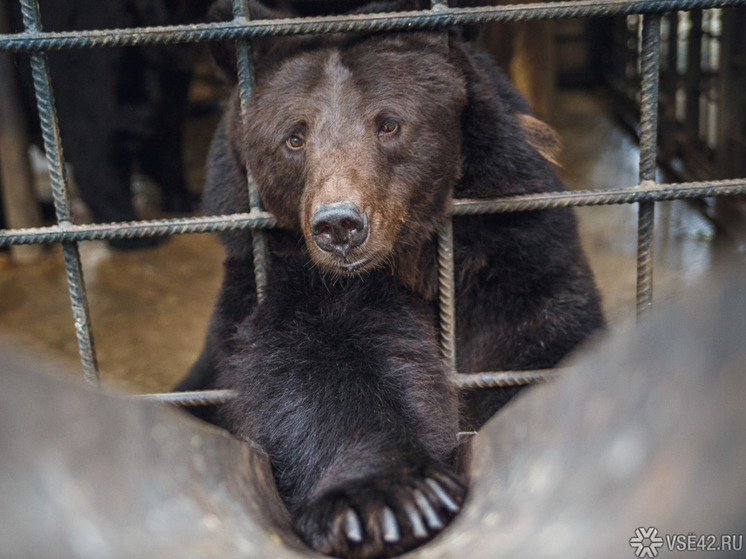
(150, 308)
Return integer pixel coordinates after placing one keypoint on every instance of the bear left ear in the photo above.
(505, 151)
(541, 137)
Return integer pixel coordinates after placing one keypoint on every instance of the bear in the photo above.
(120, 109)
(358, 144)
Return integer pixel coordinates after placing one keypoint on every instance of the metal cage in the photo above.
(440, 16)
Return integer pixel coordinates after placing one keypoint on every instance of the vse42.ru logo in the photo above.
(646, 542)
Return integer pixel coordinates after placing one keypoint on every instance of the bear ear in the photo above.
(541, 137)
(224, 52)
(505, 151)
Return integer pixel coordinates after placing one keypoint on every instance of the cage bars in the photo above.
(245, 69)
(35, 40)
(650, 62)
(440, 16)
(56, 161)
(463, 206)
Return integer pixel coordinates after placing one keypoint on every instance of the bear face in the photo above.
(360, 151)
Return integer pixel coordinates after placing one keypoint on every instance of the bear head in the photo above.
(360, 141)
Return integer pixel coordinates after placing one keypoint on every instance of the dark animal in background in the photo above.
(358, 144)
(120, 109)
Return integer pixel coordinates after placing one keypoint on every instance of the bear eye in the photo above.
(389, 127)
(295, 142)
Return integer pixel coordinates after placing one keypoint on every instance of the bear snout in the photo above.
(338, 227)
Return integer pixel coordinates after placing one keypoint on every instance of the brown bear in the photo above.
(358, 144)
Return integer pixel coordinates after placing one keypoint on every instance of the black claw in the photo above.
(444, 498)
(418, 527)
(431, 517)
(352, 527)
(390, 526)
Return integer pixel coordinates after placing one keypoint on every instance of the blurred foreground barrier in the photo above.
(647, 431)
(638, 446)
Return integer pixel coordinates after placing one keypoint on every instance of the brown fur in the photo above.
(337, 370)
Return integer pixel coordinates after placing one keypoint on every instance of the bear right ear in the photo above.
(505, 150)
(224, 52)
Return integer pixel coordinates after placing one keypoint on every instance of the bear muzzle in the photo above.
(339, 227)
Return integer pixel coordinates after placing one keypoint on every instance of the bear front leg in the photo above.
(381, 516)
(343, 386)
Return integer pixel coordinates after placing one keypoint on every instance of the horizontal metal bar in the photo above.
(504, 378)
(626, 195)
(477, 380)
(136, 229)
(190, 398)
(241, 28)
(263, 220)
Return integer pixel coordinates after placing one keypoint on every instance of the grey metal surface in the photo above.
(648, 430)
(87, 475)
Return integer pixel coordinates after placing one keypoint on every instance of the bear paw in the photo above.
(381, 517)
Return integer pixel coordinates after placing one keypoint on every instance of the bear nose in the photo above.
(339, 227)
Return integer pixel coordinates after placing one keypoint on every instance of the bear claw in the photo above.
(380, 517)
(390, 526)
(431, 517)
(442, 495)
(418, 527)
(353, 529)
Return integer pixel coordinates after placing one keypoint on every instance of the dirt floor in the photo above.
(150, 308)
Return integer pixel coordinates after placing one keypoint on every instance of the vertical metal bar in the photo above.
(650, 60)
(446, 288)
(245, 83)
(55, 160)
(447, 296)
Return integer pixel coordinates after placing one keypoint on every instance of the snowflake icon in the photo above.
(646, 542)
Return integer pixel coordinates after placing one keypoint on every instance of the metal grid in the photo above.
(702, 74)
(35, 41)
